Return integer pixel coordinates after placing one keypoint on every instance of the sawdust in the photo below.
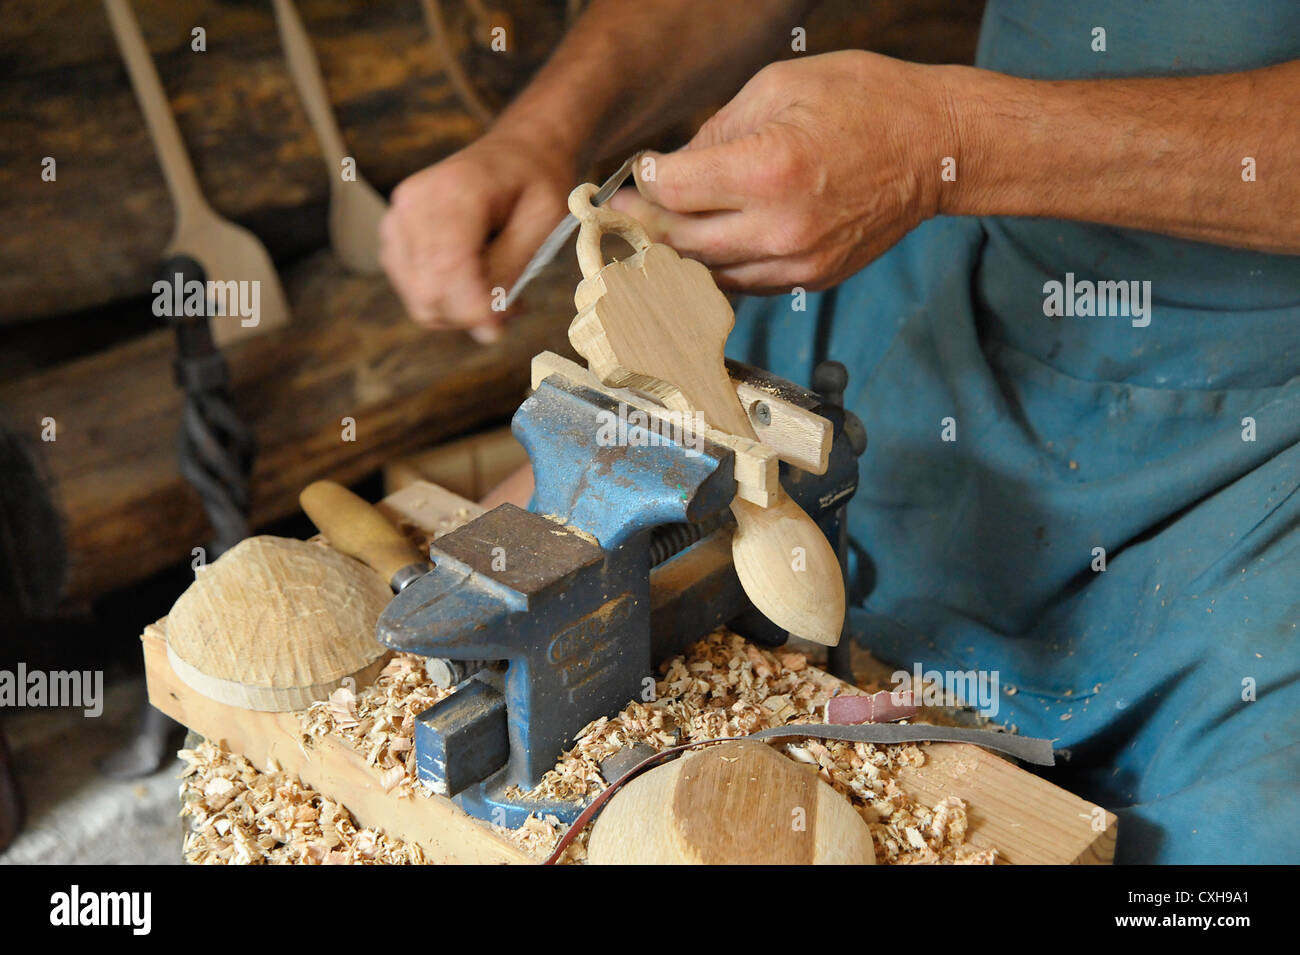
(240, 815)
(726, 687)
(722, 687)
(378, 721)
(568, 528)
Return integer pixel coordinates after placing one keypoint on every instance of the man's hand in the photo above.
(626, 69)
(470, 224)
(814, 169)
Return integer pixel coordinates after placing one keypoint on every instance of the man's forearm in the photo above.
(630, 67)
(1164, 155)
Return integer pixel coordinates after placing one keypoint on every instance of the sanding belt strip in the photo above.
(1026, 748)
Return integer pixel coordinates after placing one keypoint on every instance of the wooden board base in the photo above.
(1027, 819)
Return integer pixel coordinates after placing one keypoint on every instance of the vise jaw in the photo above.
(564, 593)
(561, 592)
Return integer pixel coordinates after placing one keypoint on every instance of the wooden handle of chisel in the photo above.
(357, 528)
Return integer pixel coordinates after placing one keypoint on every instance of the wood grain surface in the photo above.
(276, 624)
(737, 803)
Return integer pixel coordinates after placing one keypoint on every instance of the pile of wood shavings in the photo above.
(240, 815)
(722, 687)
(379, 720)
(725, 686)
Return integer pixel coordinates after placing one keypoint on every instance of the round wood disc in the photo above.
(739, 803)
(276, 624)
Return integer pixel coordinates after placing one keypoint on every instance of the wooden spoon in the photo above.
(740, 803)
(227, 252)
(657, 323)
(355, 206)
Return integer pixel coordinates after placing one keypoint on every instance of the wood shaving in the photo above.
(239, 815)
(725, 686)
(378, 721)
(589, 537)
(722, 687)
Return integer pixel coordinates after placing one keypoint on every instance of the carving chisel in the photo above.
(560, 234)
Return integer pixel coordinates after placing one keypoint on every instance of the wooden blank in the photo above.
(469, 467)
(276, 624)
(737, 803)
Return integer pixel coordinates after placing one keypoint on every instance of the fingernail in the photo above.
(485, 334)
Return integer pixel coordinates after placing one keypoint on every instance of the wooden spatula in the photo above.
(227, 252)
(355, 207)
(736, 804)
(657, 323)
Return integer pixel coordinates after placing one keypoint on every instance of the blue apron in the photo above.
(1013, 454)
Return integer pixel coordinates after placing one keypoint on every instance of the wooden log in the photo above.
(104, 504)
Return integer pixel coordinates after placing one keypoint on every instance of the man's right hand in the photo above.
(469, 224)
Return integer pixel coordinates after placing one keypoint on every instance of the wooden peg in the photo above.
(657, 323)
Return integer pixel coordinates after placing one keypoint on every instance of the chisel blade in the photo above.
(561, 233)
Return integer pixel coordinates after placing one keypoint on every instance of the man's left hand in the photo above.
(815, 168)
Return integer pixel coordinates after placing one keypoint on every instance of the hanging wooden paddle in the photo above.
(355, 207)
(227, 252)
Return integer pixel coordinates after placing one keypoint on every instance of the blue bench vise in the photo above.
(622, 560)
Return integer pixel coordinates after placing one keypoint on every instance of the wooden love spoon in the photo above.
(657, 323)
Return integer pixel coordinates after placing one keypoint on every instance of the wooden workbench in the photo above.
(1025, 818)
